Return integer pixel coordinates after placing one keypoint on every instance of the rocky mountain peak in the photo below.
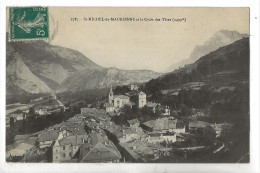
(219, 39)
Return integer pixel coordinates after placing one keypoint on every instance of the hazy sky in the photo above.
(142, 45)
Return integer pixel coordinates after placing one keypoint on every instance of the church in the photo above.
(118, 101)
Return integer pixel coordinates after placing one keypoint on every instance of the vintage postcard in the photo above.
(127, 85)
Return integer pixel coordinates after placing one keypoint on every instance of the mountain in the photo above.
(38, 67)
(18, 74)
(223, 66)
(220, 39)
(105, 77)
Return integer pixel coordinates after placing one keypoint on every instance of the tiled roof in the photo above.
(48, 136)
(21, 137)
(92, 110)
(24, 146)
(142, 149)
(151, 105)
(98, 150)
(106, 105)
(163, 124)
(141, 93)
(114, 128)
(73, 140)
(176, 124)
(139, 131)
(92, 124)
(133, 121)
(16, 152)
(121, 97)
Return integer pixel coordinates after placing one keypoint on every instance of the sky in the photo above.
(151, 45)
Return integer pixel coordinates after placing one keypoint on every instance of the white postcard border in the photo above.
(101, 167)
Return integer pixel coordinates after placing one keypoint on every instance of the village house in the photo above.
(112, 129)
(156, 138)
(152, 105)
(98, 149)
(48, 106)
(72, 126)
(222, 129)
(109, 107)
(121, 134)
(98, 114)
(41, 111)
(21, 138)
(167, 111)
(134, 87)
(142, 151)
(180, 137)
(120, 100)
(164, 125)
(126, 134)
(66, 148)
(18, 115)
(91, 125)
(46, 138)
(117, 100)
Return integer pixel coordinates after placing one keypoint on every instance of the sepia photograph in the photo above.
(127, 85)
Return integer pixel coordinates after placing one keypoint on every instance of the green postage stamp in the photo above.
(28, 23)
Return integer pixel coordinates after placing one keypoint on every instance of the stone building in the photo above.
(117, 100)
(66, 148)
(141, 99)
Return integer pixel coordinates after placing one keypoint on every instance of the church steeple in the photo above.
(110, 96)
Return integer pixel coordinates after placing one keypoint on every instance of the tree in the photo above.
(11, 122)
(31, 111)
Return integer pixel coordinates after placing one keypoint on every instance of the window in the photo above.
(64, 148)
(64, 155)
(56, 157)
(56, 151)
(70, 154)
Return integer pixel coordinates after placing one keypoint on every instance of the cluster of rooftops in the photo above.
(93, 133)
